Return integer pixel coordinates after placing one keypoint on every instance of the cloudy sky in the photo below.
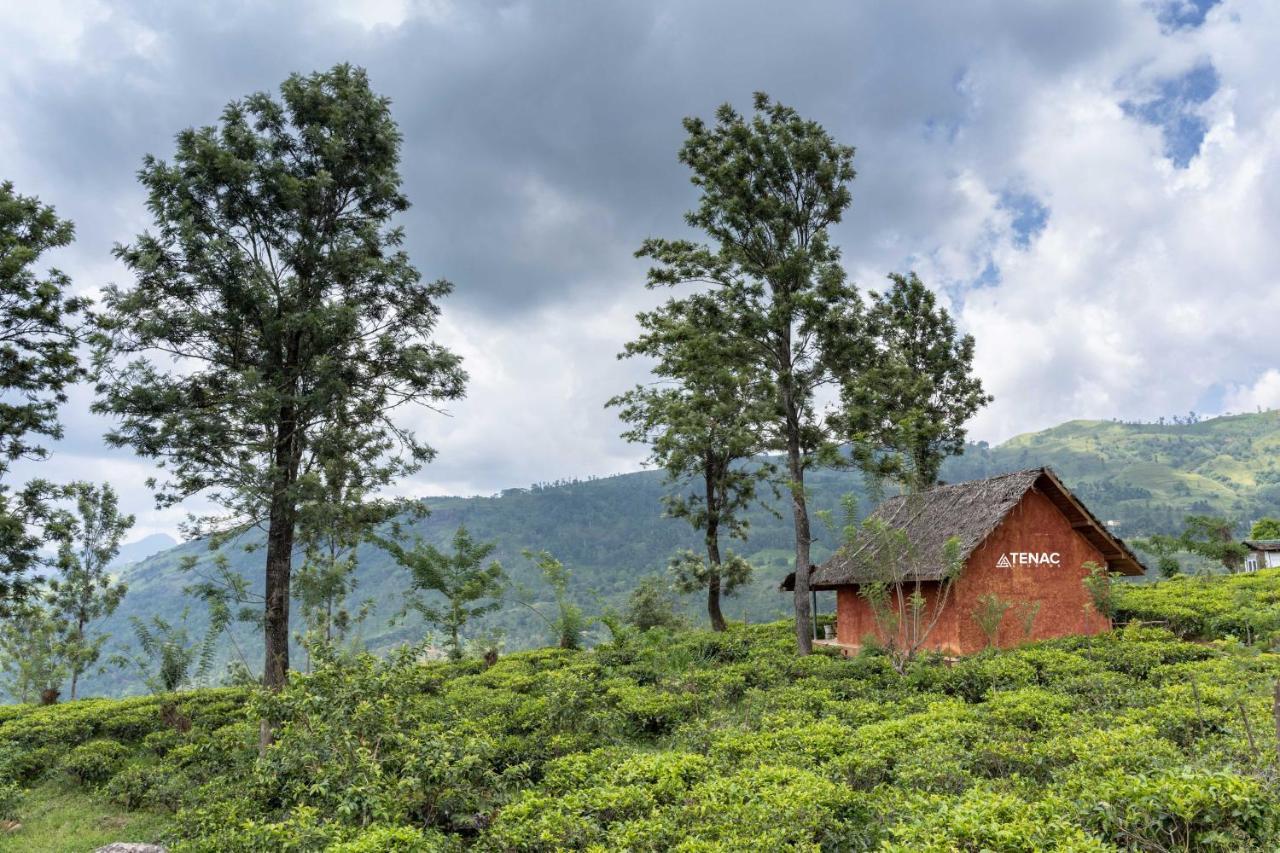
(1093, 187)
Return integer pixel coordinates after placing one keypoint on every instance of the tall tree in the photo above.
(469, 586)
(38, 340)
(31, 652)
(1215, 539)
(1208, 536)
(701, 421)
(276, 281)
(771, 187)
(905, 411)
(83, 589)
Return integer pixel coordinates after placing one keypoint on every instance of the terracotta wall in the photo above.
(855, 620)
(1034, 526)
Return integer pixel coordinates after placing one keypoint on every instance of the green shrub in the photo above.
(700, 742)
(1182, 810)
(981, 820)
(393, 839)
(650, 711)
(766, 808)
(10, 800)
(1130, 747)
(94, 762)
(786, 739)
(223, 830)
(161, 742)
(1243, 606)
(972, 678)
(147, 785)
(27, 764)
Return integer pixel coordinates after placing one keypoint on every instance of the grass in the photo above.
(59, 818)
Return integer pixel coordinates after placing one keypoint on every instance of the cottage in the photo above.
(1023, 537)
(1263, 554)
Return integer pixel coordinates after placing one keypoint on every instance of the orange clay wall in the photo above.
(1034, 526)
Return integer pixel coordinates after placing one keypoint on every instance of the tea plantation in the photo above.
(1148, 738)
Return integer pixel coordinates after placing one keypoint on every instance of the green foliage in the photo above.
(32, 655)
(11, 797)
(905, 412)
(1168, 566)
(1245, 606)
(38, 340)
(1214, 539)
(568, 623)
(700, 740)
(989, 613)
(652, 605)
(704, 425)
(469, 587)
(1183, 810)
(1266, 527)
(770, 188)
(392, 839)
(1100, 584)
(338, 515)
(146, 785)
(84, 590)
(94, 762)
(276, 277)
(170, 658)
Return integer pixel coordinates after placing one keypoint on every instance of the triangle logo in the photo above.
(1003, 562)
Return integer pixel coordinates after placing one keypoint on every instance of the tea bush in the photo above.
(94, 762)
(661, 740)
(1244, 606)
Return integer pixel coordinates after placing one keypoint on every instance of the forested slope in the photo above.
(610, 531)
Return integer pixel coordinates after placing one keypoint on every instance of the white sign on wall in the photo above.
(1029, 558)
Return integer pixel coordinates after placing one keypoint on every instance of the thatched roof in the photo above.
(969, 513)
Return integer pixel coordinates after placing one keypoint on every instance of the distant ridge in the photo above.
(133, 552)
(1143, 478)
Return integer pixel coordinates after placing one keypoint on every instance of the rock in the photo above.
(130, 847)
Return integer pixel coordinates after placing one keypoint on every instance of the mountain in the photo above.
(1148, 477)
(133, 552)
(610, 531)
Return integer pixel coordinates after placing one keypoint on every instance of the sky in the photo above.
(1092, 187)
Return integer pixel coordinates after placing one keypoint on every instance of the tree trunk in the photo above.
(75, 670)
(713, 602)
(800, 513)
(280, 531)
(713, 548)
(792, 411)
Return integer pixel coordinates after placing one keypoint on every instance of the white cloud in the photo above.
(1263, 393)
(540, 150)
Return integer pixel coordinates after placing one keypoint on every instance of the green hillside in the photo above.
(610, 531)
(1149, 476)
(1138, 739)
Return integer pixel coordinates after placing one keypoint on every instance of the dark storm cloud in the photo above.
(540, 138)
(540, 143)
